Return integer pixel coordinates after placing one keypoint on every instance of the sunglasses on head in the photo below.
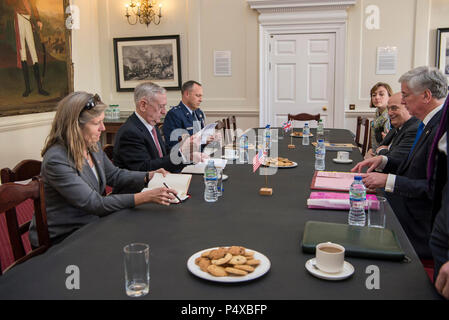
(92, 102)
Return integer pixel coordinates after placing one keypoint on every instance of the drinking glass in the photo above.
(376, 212)
(137, 269)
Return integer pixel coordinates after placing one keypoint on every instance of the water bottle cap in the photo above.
(320, 140)
(358, 178)
(267, 126)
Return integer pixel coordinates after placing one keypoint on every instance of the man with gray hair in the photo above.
(405, 179)
(138, 144)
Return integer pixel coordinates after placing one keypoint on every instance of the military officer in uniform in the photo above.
(185, 117)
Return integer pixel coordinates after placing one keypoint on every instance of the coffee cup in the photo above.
(343, 155)
(230, 153)
(330, 257)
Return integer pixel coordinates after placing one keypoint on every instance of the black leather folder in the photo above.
(361, 242)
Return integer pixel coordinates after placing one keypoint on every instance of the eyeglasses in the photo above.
(92, 102)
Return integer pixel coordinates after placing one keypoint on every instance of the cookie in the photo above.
(237, 260)
(217, 271)
(217, 253)
(249, 254)
(253, 262)
(244, 267)
(203, 263)
(223, 260)
(236, 272)
(236, 250)
(205, 254)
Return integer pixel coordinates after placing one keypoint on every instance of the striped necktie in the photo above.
(418, 134)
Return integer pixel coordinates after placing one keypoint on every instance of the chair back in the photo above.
(24, 170)
(304, 117)
(11, 195)
(109, 150)
(366, 143)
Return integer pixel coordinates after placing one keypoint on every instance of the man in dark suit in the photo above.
(187, 116)
(138, 144)
(405, 180)
(437, 169)
(399, 140)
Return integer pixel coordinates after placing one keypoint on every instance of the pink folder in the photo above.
(334, 181)
(338, 201)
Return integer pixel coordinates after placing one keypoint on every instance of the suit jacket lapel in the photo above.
(422, 142)
(100, 170)
(148, 136)
(88, 176)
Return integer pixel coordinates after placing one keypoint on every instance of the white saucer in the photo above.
(348, 270)
(342, 161)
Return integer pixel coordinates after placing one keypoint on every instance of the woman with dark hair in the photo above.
(380, 93)
(76, 171)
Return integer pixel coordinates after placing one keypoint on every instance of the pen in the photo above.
(173, 193)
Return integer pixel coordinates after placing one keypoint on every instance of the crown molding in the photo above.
(278, 6)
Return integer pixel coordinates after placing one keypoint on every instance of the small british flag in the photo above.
(287, 126)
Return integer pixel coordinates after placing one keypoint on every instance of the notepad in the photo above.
(337, 201)
(178, 182)
(337, 146)
(199, 167)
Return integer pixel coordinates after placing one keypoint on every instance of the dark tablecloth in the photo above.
(272, 225)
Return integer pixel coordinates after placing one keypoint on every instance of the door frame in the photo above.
(301, 23)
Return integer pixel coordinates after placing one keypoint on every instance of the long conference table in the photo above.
(272, 225)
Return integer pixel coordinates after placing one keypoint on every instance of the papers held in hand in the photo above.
(179, 182)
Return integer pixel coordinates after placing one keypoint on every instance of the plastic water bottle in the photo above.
(357, 199)
(306, 134)
(267, 137)
(320, 155)
(244, 142)
(320, 128)
(210, 182)
(220, 188)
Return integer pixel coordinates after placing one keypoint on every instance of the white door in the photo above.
(301, 77)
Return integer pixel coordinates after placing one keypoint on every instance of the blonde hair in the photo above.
(377, 86)
(70, 118)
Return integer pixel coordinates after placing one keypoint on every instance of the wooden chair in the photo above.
(11, 195)
(366, 144)
(24, 170)
(109, 150)
(304, 117)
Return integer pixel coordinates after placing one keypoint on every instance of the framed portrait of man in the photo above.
(35, 55)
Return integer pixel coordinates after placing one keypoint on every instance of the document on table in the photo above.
(178, 182)
(199, 167)
(334, 180)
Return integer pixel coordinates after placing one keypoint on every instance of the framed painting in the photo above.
(35, 55)
(442, 54)
(141, 59)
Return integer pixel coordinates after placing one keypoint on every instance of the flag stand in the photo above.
(265, 191)
(291, 145)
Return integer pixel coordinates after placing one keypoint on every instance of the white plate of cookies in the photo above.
(280, 162)
(228, 264)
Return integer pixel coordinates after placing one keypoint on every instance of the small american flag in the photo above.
(287, 126)
(258, 159)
